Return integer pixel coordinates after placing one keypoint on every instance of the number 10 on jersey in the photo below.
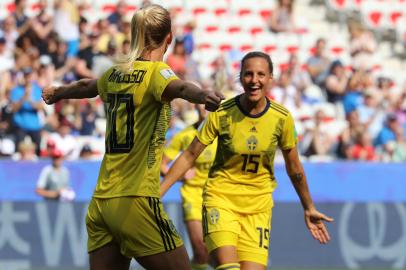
(120, 117)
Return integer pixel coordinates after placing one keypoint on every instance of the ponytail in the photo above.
(137, 36)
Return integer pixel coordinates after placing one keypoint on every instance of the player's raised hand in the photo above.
(213, 100)
(315, 223)
(49, 94)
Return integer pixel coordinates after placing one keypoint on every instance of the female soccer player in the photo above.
(237, 198)
(192, 189)
(125, 217)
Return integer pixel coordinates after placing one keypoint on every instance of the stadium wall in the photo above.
(368, 202)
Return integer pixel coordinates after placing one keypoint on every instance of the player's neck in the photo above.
(253, 107)
(154, 55)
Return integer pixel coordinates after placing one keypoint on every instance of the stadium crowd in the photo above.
(342, 110)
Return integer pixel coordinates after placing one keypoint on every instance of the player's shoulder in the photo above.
(227, 104)
(278, 109)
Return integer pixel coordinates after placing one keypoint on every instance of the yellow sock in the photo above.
(228, 266)
(196, 266)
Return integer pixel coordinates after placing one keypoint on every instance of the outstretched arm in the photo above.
(85, 88)
(192, 93)
(313, 218)
(183, 163)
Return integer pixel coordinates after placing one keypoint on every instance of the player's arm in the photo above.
(165, 164)
(49, 194)
(192, 93)
(313, 218)
(85, 88)
(182, 164)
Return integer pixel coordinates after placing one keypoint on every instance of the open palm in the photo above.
(315, 223)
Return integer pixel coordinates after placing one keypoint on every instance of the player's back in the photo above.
(137, 121)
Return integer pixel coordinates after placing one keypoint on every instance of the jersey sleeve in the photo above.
(42, 180)
(208, 129)
(102, 84)
(162, 75)
(174, 147)
(288, 138)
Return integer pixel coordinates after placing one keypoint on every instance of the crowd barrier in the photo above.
(367, 201)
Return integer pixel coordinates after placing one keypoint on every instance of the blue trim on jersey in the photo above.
(237, 101)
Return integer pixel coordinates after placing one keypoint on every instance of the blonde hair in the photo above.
(149, 27)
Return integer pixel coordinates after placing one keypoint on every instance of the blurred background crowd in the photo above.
(339, 69)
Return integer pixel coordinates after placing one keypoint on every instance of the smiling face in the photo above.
(255, 78)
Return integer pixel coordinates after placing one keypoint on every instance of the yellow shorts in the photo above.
(249, 233)
(139, 225)
(192, 201)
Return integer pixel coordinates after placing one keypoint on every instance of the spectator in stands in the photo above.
(362, 45)
(27, 105)
(86, 153)
(66, 25)
(49, 148)
(336, 82)
(65, 142)
(300, 77)
(26, 151)
(88, 117)
(399, 108)
(89, 50)
(357, 84)
(384, 91)
(319, 63)
(109, 36)
(395, 151)
(285, 92)
(282, 19)
(316, 139)
(9, 32)
(23, 22)
(46, 71)
(388, 132)
(177, 59)
(363, 149)
(25, 44)
(54, 182)
(371, 113)
(41, 26)
(188, 39)
(348, 136)
(63, 64)
(222, 77)
(119, 13)
(7, 145)
(145, 3)
(6, 60)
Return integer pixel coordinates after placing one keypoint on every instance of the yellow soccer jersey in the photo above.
(181, 142)
(242, 175)
(137, 121)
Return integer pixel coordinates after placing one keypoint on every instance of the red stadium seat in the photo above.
(374, 13)
(220, 11)
(108, 8)
(269, 49)
(265, 14)
(11, 7)
(199, 10)
(224, 47)
(339, 4)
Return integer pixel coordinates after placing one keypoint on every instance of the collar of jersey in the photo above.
(237, 101)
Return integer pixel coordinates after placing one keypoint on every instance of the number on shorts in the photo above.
(115, 110)
(263, 237)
